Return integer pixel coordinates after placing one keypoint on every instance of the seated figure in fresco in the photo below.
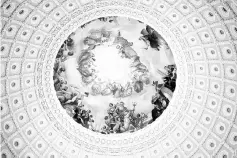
(100, 33)
(140, 74)
(126, 49)
(92, 43)
(86, 55)
(96, 89)
(139, 69)
(106, 91)
(96, 37)
(102, 88)
(86, 66)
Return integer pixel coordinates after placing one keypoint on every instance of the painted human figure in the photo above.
(91, 125)
(126, 90)
(111, 110)
(156, 112)
(127, 118)
(117, 125)
(116, 90)
(106, 91)
(89, 79)
(151, 37)
(126, 49)
(120, 109)
(137, 121)
(91, 43)
(104, 130)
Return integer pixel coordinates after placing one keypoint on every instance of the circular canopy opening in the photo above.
(114, 75)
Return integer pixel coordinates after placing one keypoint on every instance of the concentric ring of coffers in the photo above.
(214, 20)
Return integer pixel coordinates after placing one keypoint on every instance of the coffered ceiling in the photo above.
(200, 120)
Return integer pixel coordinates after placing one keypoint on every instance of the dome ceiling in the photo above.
(200, 120)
